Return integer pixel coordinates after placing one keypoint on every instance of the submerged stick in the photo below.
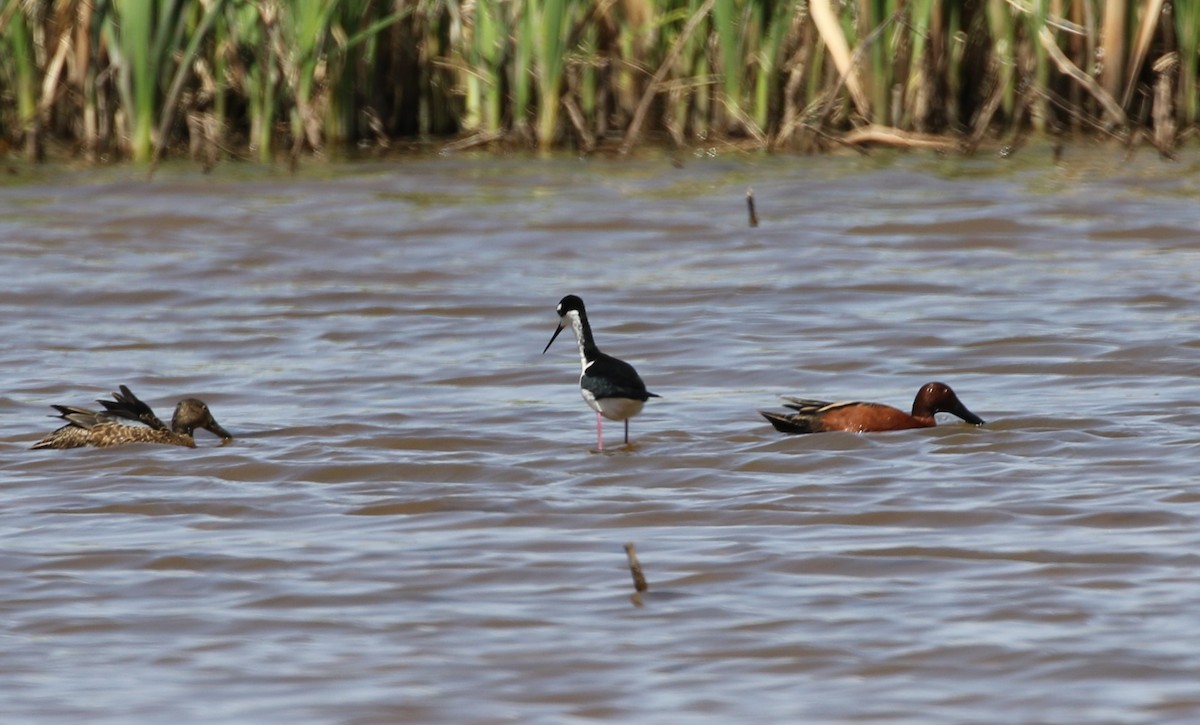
(750, 207)
(635, 568)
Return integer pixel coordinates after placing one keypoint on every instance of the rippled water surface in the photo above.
(414, 525)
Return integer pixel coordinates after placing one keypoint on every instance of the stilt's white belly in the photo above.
(613, 408)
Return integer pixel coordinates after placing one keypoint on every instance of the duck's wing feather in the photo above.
(128, 406)
(809, 406)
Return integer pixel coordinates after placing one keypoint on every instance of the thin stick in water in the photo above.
(750, 206)
(635, 568)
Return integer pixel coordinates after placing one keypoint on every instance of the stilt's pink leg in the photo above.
(599, 433)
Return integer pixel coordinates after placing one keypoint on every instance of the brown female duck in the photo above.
(109, 427)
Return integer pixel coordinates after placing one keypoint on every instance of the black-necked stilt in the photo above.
(609, 386)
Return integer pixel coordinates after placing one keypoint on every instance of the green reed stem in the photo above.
(553, 19)
(129, 34)
(1187, 28)
(1036, 22)
(726, 17)
(690, 108)
(21, 53)
(485, 94)
(183, 71)
(253, 28)
(873, 13)
(767, 80)
(525, 22)
(1003, 32)
(921, 21)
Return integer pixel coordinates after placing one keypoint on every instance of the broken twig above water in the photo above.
(635, 568)
(750, 207)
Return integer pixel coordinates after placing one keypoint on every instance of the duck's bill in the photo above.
(215, 428)
(968, 416)
(552, 337)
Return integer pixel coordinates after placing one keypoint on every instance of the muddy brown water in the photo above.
(413, 525)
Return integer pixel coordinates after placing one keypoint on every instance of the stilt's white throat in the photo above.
(577, 328)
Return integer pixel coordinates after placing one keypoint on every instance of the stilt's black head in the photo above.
(570, 303)
(566, 305)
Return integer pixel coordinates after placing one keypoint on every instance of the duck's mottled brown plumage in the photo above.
(109, 427)
(817, 416)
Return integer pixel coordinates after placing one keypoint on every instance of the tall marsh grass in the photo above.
(259, 78)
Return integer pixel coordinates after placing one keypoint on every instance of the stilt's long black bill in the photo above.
(560, 329)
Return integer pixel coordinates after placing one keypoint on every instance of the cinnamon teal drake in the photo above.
(126, 419)
(818, 416)
(609, 386)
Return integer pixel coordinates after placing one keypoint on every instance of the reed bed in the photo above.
(233, 78)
